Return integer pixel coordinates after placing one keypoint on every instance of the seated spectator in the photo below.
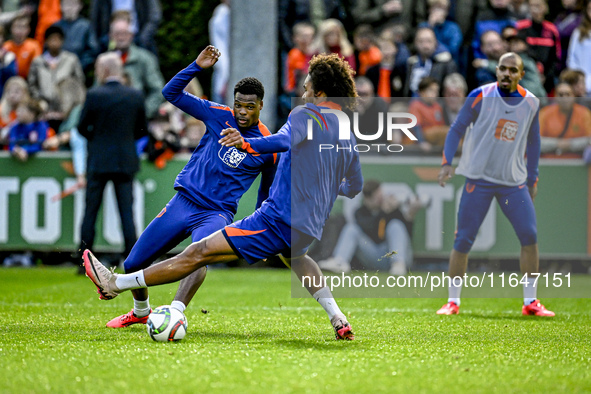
(543, 41)
(299, 55)
(145, 17)
(455, 90)
(28, 133)
(16, 91)
(71, 93)
(492, 46)
(367, 52)
(426, 63)
(576, 79)
(24, 48)
(496, 18)
(79, 38)
(565, 126)
(447, 32)
(48, 70)
(332, 38)
(431, 128)
(140, 64)
(370, 109)
(397, 34)
(566, 22)
(579, 48)
(386, 77)
(7, 62)
(383, 224)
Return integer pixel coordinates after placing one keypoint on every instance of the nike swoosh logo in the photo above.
(138, 281)
(508, 112)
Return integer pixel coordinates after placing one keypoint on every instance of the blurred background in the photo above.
(417, 56)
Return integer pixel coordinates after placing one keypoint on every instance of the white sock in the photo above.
(324, 298)
(141, 308)
(454, 290)
(131, 281)
(178, 305)
(530, 289)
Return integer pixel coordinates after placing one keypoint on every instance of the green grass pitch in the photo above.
(256, 338)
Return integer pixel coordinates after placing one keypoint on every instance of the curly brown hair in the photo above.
(333, 75)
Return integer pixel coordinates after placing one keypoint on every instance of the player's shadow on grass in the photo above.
(506, 317)
(329, 345)
(248, 336)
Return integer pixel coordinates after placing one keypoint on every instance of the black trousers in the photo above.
(94, 197)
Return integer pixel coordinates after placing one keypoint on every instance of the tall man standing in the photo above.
(506, 126)
(112, 119)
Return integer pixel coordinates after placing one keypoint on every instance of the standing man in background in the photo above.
(506, 126)
(112, 119)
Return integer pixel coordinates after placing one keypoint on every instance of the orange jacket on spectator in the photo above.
(553, 121)
(369, 58)
(25, 53)
(297, 65)
(49, 12)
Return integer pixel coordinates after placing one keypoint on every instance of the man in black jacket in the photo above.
(112, 119)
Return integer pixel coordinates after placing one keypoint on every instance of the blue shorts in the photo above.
(257, 237)
(515, 202)
(180, 218)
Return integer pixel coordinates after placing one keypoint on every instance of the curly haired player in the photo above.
(310, 187)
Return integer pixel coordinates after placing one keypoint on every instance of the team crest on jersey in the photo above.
(232, 157)
(506, 130)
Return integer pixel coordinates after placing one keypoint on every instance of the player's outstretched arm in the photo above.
(174, 92)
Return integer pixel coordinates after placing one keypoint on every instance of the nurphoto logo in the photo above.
(393, 122)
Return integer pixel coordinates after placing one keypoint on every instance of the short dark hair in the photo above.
(426, 82)
(571, 76)
(54, 29)
(250, 85)
(333, 75)
(370, 186)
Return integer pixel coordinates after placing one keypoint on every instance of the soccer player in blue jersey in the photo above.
(299, 202)
(505, 127)
(210, 185)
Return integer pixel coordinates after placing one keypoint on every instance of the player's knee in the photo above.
(528, 235)
(197, 251)
(464, 242)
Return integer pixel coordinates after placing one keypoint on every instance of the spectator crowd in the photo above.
(419, 56)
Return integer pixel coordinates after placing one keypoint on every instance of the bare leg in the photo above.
(529, 261)
(210, 250)
(190, 285)
(140, 294)
(305, 266)
(458, 263)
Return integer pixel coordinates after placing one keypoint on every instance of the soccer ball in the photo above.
(166, 324)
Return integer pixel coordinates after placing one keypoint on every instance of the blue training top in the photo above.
(216, 177)
(303, 194)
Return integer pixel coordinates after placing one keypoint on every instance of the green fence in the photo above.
(29, 219)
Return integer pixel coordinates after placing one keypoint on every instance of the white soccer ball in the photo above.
(166, 324)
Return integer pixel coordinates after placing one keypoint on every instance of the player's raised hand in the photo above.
(208, 57)
(445, 174)
(231, 137)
